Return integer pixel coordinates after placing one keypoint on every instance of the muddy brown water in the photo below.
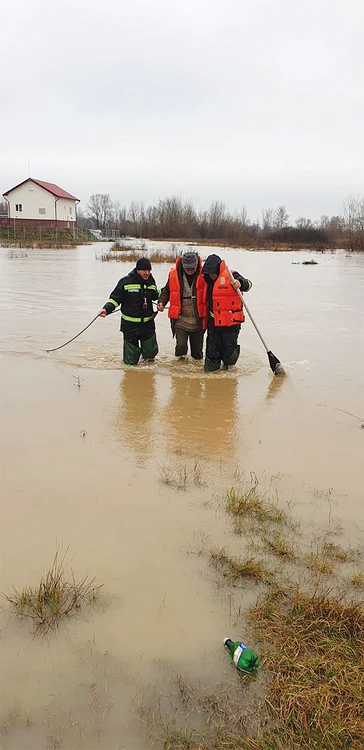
(87, 442)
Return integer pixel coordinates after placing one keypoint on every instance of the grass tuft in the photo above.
(237, 568)
(278, 545)
(358, 580)
(327, 555)
(253, 505)
(57, 596)
(174, 476)
(127, 255)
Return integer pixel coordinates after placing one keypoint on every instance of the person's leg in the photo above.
(213, 350)
(131, 349)
(181, 342)
(196, 343)
(148, 340)
(230, 347)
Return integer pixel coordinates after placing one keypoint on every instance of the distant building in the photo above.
(38, 203)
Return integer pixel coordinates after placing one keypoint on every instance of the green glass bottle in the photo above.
(243, 658)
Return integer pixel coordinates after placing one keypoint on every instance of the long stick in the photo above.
(275, 365)
(77, 334)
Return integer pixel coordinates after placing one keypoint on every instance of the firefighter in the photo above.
(135, 293)
(185, 292)
(225, 313)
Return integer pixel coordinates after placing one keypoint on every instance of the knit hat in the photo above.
(212, 264)
(143, 264)
(189, 260)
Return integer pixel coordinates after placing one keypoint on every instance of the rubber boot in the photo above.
(131, 353)
(150, 347)
(234, 356)
(211, 365)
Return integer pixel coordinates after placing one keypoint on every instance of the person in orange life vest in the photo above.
(224, 313)
(185, 291)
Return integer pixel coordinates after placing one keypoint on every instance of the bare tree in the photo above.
(267, 219)
(243, 217)
(134, 216)
(280, 218)
(354, 221)
(99, 209)
(3, 208)
(303, 223)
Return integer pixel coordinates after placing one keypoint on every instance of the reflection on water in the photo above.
(275, 385)
(201, 416)
(136, 413)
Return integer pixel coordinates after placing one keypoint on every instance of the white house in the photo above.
(35, 202)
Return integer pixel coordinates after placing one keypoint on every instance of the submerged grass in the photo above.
(278, 545)
(58, 595)
(238, 568)
(327, 555)
(251, 504)
(309, 690)
(131, 256)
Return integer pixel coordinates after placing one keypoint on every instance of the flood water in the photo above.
(87, 445)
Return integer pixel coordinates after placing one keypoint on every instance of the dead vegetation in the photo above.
(127, 253)
(134, 255)
(238, 568)
(309, 632)
(357, 580)
(58, 596)
(180, 476)
(327, 554)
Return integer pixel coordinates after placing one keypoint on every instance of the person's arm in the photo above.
(115, 299)
(153, 289)
(163, 297)
(244, 284)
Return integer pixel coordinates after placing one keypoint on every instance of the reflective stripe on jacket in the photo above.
(175, 302)
(135, 296)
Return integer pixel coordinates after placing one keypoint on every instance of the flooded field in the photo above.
(128, 469)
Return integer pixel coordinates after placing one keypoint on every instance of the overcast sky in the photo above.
(254, 102)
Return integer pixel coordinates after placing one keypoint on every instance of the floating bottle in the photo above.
(243, 658)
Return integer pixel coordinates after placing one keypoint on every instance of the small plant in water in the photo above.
(57, 596)
(78, 381)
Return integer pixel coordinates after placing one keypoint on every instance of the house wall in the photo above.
(66, 210)
(32, 197)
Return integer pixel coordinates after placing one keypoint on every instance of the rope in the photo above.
(90, 324)
(77, 334)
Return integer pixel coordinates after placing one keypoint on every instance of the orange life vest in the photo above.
(175, 293)
(227, 307)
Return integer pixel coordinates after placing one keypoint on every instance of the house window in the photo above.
(18, 207)
(42, 211)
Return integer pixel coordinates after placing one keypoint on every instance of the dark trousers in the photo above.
(196, 342)
(221, 346)
(139, 340)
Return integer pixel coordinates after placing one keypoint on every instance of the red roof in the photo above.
(54, 189)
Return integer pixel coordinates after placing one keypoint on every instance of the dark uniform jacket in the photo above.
(134, 295)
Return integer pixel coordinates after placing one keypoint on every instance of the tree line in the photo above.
(175, 218)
